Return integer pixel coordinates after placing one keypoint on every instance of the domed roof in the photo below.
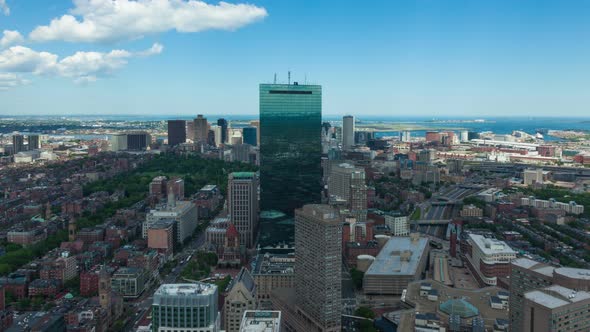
(459, 307)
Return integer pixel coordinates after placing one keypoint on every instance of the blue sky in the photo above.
(405, 57)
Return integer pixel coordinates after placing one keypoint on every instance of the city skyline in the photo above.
(293, 223)
(461, 59)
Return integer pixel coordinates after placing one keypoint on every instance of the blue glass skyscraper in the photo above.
(249, 134)
(290, 146)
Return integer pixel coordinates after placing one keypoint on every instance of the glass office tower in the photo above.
(250, 135)
(290, 146)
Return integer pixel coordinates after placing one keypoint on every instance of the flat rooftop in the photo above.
(490, 246)
(389, 260)
(277, 264)
(548, 270)
(209, 187)
(162, 224)
(261, 321)
(526, 263)
(320, 212)
(186, 289)
(556, 296)
(574, 273)
(166, 209)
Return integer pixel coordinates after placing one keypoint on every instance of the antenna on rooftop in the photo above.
(289, 77)
(275, 82)
(305, 79)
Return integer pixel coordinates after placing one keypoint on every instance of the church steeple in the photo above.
(72, 230)
(104, 289)
(47, 211)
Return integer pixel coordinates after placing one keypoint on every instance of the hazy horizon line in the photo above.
(254, 115)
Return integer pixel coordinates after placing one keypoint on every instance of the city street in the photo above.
(142, 306)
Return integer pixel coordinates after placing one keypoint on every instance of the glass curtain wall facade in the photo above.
(185, 308)
(176, 132)
(250, 135)
(290, 146)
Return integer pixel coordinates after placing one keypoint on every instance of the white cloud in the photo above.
(10, 80)
(10, 37)
(81, 67)
(25, 60)
(4, 7)
(116, 20)
(157, 48)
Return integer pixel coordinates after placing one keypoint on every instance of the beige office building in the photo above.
(555, 309)
(318, 265)
(201, 129)
(242, 195)
(346, 184)
(541, 296)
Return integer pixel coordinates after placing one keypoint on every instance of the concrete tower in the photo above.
(318, 265)
(201, 129)
(347, 132)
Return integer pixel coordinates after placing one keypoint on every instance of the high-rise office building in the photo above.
(201, 129)
(223, 124)
(18, 143)
(326, 131)
(464, 136)
(118, 142)
(217, 136)
(290, 146)
(556, 308)
(138, 141)
(242, 196)
(190, 130)
(184, 214)
(250, 135)
(185, 307)
(363, 137)
(346, 184)
(176, 132)
(211, 137)
(256, 124)
(241, 152)
(318, 264)
(34, 142)
(240, 296)
(347, 132)
(405, 136)
(540, 291)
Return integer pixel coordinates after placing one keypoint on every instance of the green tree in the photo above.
(73, 285)
(118, 326)
(223, 283)
(357, 278)
(367, 326)
(365, 312)
(23, 304)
